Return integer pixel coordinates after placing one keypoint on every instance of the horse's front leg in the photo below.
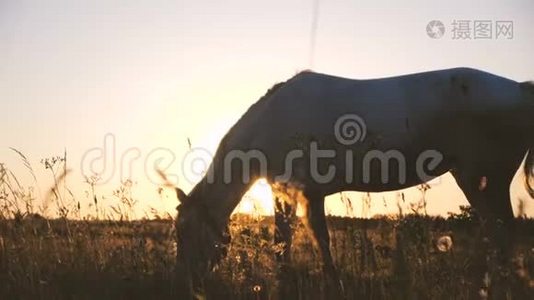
(316, 222)
(284, 217)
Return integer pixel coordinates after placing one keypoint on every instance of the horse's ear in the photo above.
(182, 197)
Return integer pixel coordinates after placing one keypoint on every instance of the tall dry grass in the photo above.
(107, 254)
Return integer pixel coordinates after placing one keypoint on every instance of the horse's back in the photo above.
(408, 113)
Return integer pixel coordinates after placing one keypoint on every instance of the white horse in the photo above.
(317, 134)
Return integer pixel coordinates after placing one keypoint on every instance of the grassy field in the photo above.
(103, 255)
(408, 258)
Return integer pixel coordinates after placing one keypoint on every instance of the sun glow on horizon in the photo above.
(258, 200)
(72, 74)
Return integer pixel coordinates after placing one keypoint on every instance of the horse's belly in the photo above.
(387, 172)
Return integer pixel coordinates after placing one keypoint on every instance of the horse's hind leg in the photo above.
(487, 189)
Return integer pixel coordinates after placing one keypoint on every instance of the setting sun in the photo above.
(258, 200)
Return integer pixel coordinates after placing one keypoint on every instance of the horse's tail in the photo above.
(527, 89)
(528, 169)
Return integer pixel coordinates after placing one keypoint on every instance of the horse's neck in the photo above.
(219, 194)
(221, 198)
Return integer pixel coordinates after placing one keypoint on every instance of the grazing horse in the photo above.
(317, 134)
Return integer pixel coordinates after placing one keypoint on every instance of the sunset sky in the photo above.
(155, 73)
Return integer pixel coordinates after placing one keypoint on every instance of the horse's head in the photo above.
(201, 239)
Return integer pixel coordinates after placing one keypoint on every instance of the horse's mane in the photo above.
(221, 149)
(276, 87)
(252, 108)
